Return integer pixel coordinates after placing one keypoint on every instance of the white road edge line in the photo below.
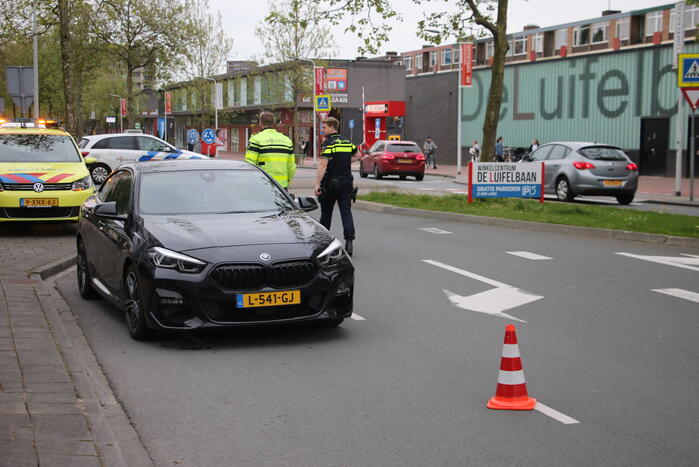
(528, 255)
(356, 317)
(555, 414)
(679, 293)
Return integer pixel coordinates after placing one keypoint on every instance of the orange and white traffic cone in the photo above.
(511, 393)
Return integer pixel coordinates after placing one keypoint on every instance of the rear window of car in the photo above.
(83, 142)
(37, 148)
(403, 148)
(603, 153)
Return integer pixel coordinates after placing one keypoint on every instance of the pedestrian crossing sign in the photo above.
(688, 70)
(323, 103)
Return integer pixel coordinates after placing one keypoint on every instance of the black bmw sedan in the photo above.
(180, 245)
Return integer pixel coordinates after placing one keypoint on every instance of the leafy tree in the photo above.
(449, 17)
(142, 35)
(292, 33)
(204, 57)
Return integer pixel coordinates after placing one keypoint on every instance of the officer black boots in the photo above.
(348, 247)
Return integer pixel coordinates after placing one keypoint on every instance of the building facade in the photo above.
(608, 80)
(247, 92)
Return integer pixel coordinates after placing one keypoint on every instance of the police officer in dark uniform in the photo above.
(334, 179)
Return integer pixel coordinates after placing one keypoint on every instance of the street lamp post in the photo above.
(121, 118)
(313, 105)
(215, 103)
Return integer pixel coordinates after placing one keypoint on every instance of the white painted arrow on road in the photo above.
(493, 302)
(690, 262)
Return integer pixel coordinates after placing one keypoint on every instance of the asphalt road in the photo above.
(408, 384)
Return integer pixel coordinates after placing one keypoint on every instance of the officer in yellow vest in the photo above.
(272, 151)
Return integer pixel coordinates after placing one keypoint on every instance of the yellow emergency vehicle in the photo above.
(43, 176)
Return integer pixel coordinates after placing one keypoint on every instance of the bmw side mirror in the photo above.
(307, 203)
(108, 210)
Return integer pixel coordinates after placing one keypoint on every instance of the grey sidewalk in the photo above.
(56, 407)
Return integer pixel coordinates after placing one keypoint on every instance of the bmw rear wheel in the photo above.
(133, 306)
(99, 173)
(84, 277)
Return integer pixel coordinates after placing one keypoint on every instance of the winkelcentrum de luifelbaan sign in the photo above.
(506, 180)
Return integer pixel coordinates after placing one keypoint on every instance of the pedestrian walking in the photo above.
(272, 151)
(534, 146)
(475, 151)
(334, 179)
(430, 151)
(499, 150)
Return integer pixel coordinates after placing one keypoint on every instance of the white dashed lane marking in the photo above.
(356, 317)
(528, 255)
(434, 230)
(680, 293)
(555, 414)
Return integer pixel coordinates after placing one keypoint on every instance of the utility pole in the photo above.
(36, 63)
(121, 118)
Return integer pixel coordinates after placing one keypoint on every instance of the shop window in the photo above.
(446, 57)
(520, 45)
(581, 35)
(538, 43)
(654, 22)
(623, 28)
(599, 32)
(561, 38)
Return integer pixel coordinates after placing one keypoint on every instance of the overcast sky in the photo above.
(240, 23)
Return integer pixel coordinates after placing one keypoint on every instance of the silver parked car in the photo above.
(574, 168)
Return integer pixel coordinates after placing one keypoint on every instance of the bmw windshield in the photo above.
(210, 192)
(24, 147)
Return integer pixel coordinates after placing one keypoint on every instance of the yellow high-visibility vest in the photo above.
(273, 152)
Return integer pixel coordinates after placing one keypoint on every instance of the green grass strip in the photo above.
(606, 217)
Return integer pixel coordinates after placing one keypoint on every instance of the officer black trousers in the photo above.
(340, 190)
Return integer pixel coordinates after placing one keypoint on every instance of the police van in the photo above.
(112, 150)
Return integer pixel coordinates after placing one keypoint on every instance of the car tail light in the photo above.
(631, 166)
(583, 165)
(85, 153)
(420, 157)
(388, 156)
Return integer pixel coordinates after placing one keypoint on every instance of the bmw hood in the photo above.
(186, 233)
(37, 172)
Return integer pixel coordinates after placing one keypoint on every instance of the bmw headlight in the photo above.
(168, 259)
(84, 183)
(332, 254)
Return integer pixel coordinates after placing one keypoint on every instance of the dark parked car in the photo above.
(180, 245)
(590, 169)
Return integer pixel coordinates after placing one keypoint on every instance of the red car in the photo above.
(400, 158)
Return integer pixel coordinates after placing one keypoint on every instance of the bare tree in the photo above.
(292, 32)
